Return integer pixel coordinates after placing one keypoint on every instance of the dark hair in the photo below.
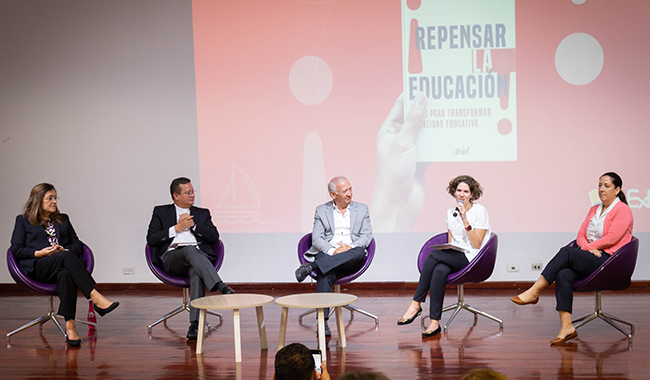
(294, 362)
(618, 182)
(363, 375)
(175, 187)
(33, 207)
(484, 374)
(474, 187)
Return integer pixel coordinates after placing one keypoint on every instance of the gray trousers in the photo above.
(192, 262)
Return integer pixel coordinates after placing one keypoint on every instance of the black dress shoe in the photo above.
(73, 343)
(429, 334)
(303, 271)
(328, 332)
(226, 290)
(402, 321)
(193, 331)
(103, 312)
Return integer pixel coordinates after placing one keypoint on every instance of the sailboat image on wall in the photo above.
(240, 206)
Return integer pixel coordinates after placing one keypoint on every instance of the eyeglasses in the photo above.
(188, 193)
(51, 199)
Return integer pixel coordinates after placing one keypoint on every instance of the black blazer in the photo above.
(164, 217)
(28, 238)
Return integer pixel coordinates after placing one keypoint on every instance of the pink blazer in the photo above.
(617, 229)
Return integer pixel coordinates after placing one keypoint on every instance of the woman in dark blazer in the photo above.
(48, 250)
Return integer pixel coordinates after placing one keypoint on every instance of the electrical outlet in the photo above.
(513, 268)
(128, 271)
(536, 266)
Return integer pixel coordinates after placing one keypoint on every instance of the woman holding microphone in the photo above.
(468, 230)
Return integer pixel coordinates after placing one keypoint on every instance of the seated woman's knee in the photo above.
(441, 270)
(67, 255)
(64, 275)
(565, 276)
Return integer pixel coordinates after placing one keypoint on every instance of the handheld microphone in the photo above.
(456, 211)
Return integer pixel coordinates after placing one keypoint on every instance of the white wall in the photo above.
(97, 98)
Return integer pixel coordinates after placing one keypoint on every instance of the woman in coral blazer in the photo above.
(607, 227)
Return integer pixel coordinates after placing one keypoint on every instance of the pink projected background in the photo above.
(292, 93)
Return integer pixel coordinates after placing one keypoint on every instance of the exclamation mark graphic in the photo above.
(503, 62)
(415, 55)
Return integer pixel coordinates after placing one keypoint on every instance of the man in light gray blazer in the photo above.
(340, 236)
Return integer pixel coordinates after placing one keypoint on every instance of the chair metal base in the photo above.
(49, 316)
(337, 289)
(185, 306)
(598, 313)
(462, 305)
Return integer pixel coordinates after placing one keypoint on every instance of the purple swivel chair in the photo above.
(478, 270)
(21, 278)
(613, 274)
(303, 246)
(181, 282)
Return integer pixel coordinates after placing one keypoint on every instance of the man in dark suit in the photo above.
(182, 237)
(340, 236)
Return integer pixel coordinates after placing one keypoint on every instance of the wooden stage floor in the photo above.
(122, 349)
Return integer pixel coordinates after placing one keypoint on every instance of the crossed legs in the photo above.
(567, 266)
(68, 272)
(329, 267)
(194, 263)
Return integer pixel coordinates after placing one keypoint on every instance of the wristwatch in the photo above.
(468, 228)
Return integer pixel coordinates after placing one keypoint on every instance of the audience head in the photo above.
(484, 374)
(42, 204)
(182, 192)
(474, 187)
(341, 191)
(617, 183)
(294, 362)
(363, 375)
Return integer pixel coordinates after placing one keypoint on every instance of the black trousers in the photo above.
(567, 266)
(68, 272)
(329, 267)
(437, 266)
(191, 262)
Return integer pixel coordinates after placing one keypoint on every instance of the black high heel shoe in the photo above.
(103, 312)
(73, 343)
(401, 321)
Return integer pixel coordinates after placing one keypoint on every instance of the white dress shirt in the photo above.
(341, 229)
(597, 222)
(185, 237)
(478, 218)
